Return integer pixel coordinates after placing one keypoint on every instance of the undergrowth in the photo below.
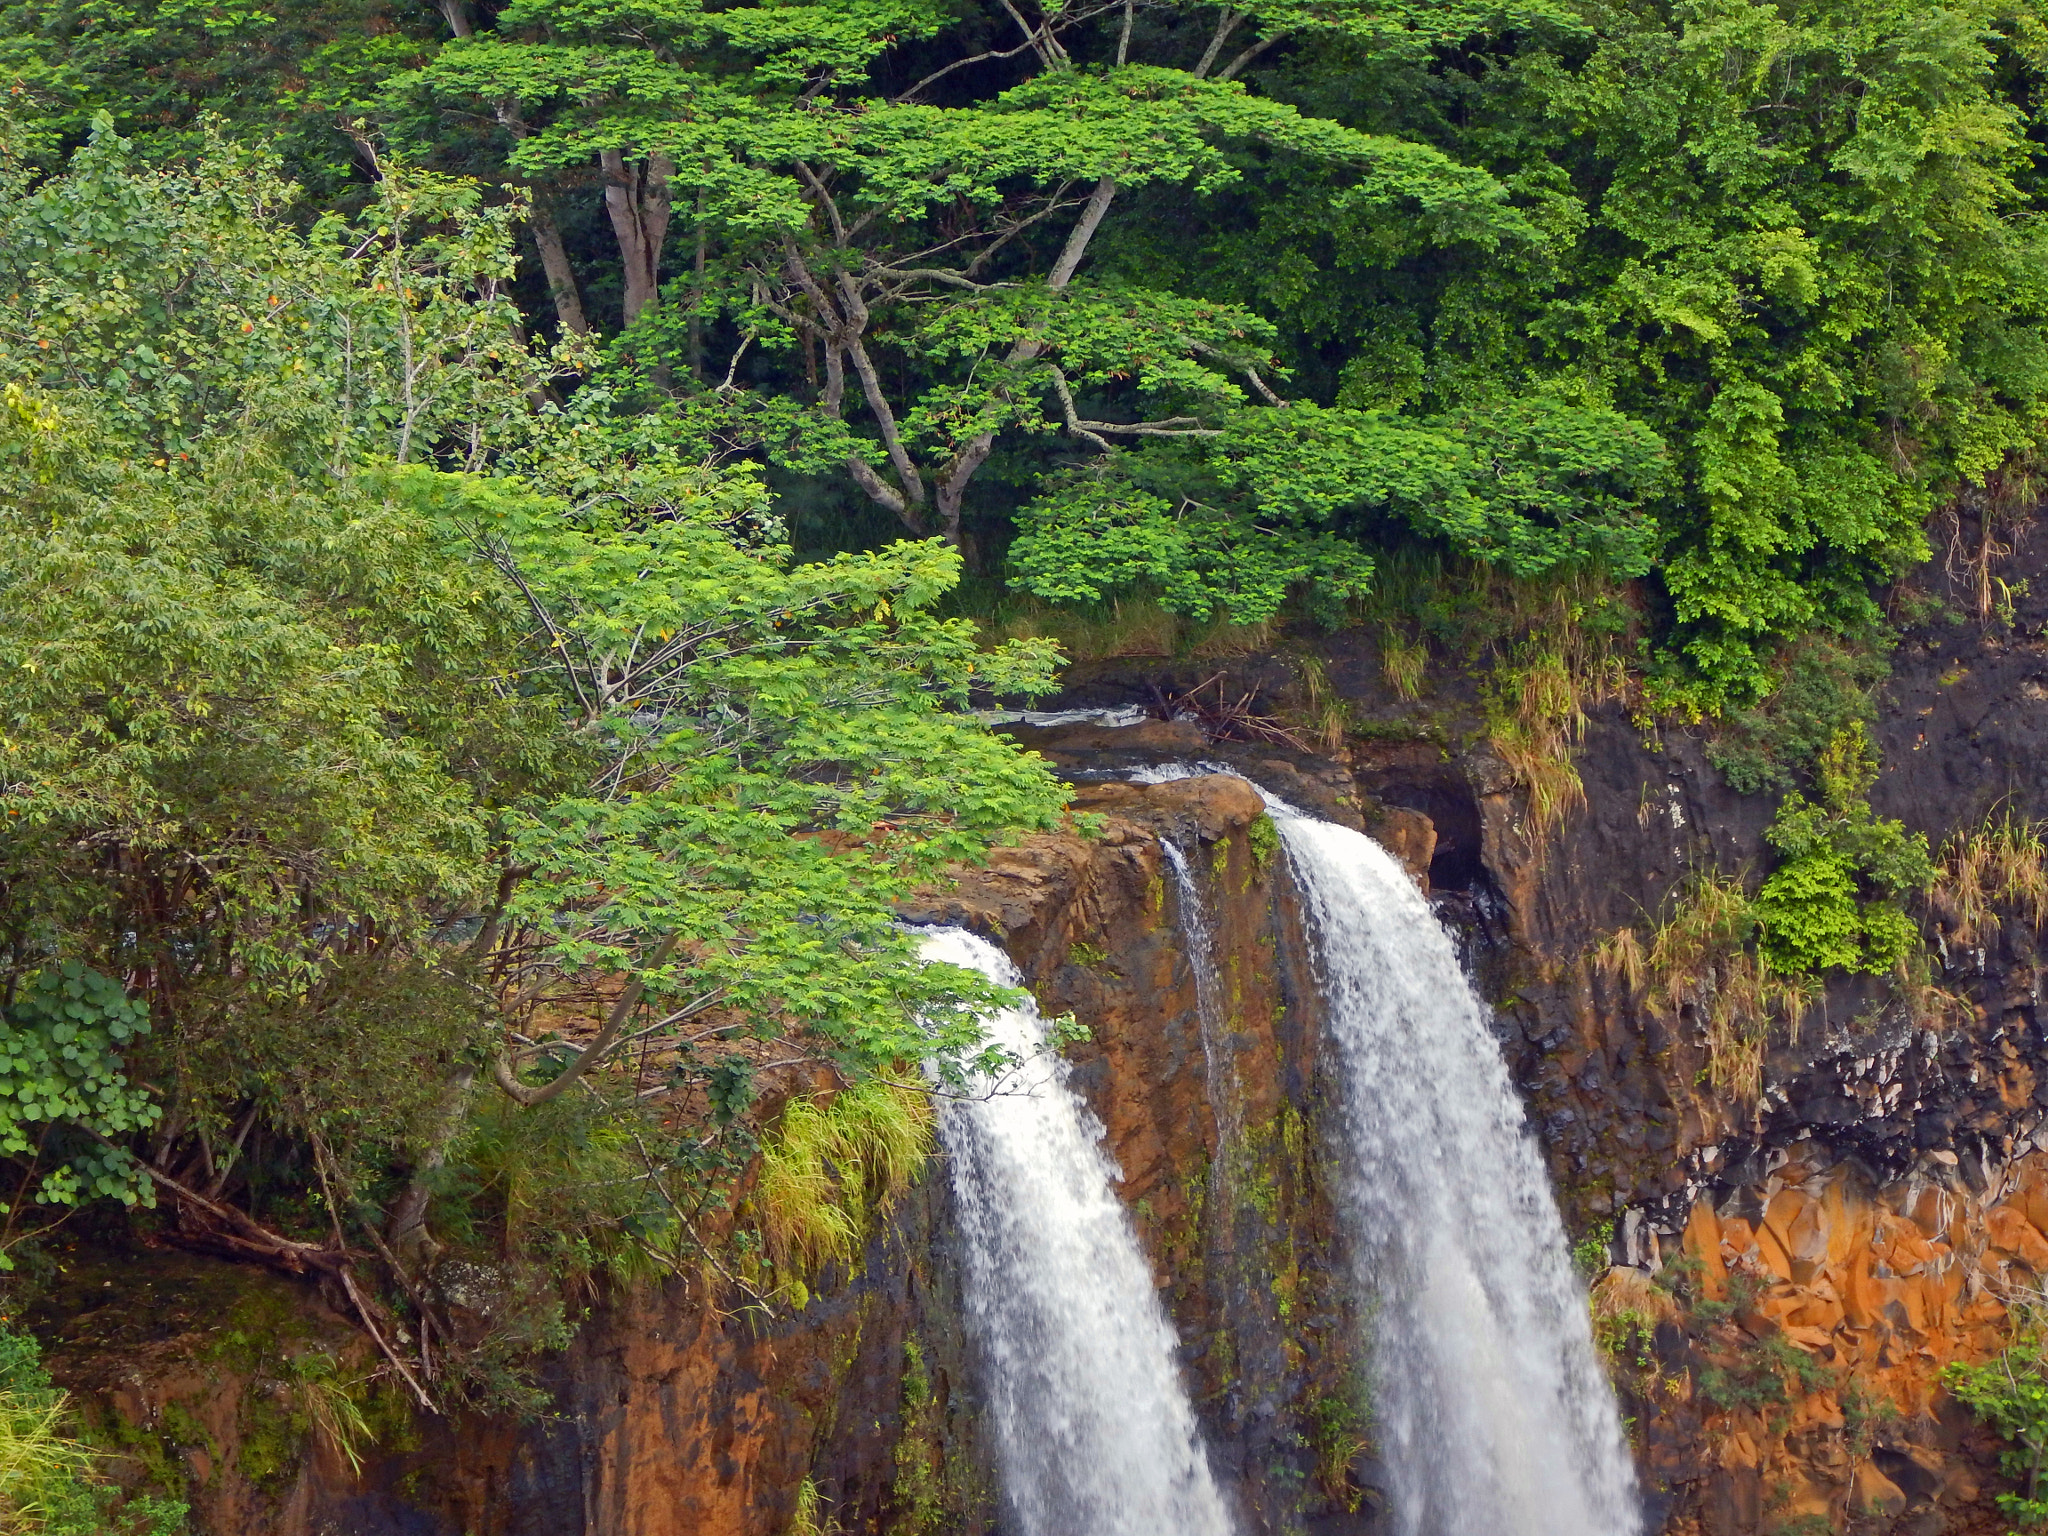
(1702, 956)
(1999, 865)
(50, 1482)
(2010, 1393)
(831, 1166)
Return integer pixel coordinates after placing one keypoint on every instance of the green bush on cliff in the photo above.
(1834, 902)
(2011, 1394)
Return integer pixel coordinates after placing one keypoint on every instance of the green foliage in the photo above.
(191, 306)
(1820, 687)
(376, 779)
(62, 1069)
(2011, 1395)
(1833, 902)
(1726, 295)
(1264, 838)
(918, 1490)
(784, 757)
(1763, 1374)
(1590, 1252)
(1282, 500)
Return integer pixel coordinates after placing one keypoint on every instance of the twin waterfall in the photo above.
(1489, 1410)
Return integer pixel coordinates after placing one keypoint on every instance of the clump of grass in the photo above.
(50, 1482)
(810, 1518)
(1403, 663)
(1536, 721)
(1223, 636)
(330, 1406)
(1136, 626)
(833, 1164)
(1699, 957)
(1326, 717)
(1337, 1432)
(1627, 1305)
(2001, 864)
(42, 1469)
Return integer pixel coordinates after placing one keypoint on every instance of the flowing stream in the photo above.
(1491, 1411)
(1093, 1430)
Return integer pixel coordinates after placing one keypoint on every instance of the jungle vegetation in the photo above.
(501, 505)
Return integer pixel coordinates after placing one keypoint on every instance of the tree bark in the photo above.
(637, 199)
(554, 261)
(405, 1229)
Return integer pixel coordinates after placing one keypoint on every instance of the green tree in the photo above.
(353, 769)
(899, 204)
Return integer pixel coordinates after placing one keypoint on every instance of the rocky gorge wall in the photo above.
(1784, 1278)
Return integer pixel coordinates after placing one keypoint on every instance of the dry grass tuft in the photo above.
(1699, 958)
(1628, 1293)
(2000, 865)
(1537, 722)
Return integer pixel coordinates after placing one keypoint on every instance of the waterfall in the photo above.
(1210, 1013)
(1491, 1410)
(1094, 1433)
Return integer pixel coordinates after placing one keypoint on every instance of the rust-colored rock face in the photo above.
(1798, 1358)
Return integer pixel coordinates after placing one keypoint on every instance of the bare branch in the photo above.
(980, 58)
(1248, 55)
(600, 1044)
(1226, 24)
(1171, 426)
(1083, 231)
(825, 201)
(1073, 419)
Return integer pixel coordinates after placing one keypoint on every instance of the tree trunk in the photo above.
(637, 199)
(554, 261)
(405, 1228)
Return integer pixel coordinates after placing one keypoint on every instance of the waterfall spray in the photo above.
(1094, 1432)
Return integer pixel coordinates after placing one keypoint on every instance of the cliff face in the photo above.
(672, 1417)
(1788, 1274)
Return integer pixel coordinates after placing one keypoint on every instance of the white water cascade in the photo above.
(1094, 1432)
(1491, 1411)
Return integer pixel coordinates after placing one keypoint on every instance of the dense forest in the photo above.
(512, 516)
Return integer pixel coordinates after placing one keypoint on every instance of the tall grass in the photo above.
(44, 1473)
(832, 1165)
(1536, 719)
(1128, 626)
(1403, 662)
(2001, 864)
(50, 1482)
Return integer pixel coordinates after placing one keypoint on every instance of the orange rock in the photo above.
(2010, 1231)
(1702, 1240)
(1872, 1493)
